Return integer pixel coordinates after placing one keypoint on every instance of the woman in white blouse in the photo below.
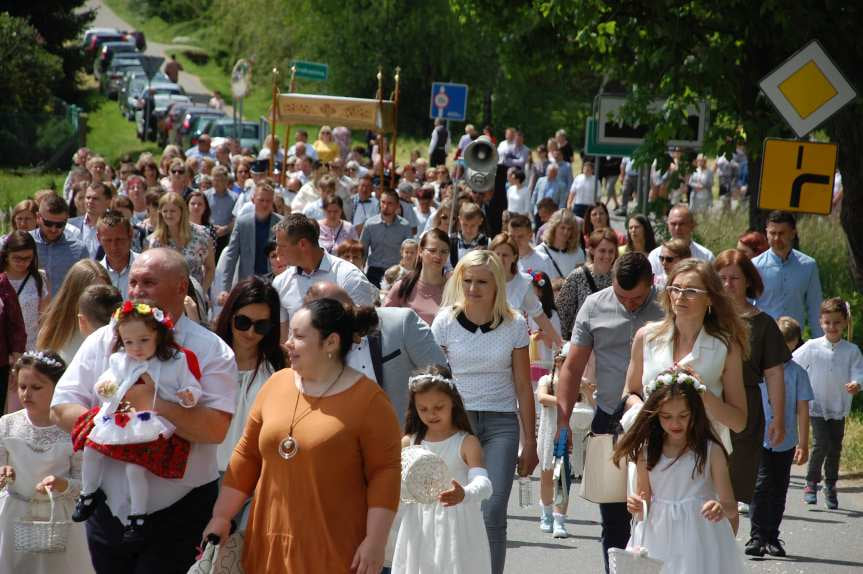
(486, 343)
(560, 241)
(517, 194)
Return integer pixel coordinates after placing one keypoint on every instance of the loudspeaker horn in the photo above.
(480, 161)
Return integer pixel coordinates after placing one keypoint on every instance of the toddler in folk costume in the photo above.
(144, 351)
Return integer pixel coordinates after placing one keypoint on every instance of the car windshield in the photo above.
(247, 131)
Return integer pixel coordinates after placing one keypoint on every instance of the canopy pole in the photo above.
(395, 127)
(273, 148)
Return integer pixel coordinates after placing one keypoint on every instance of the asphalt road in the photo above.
(818, 541)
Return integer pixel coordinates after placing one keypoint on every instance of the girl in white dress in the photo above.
(449, 535)
(36, 456)
(682, 473)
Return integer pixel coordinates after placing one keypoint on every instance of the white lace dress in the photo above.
(432, 538)
(28, 298)
(676, 532)
(35, 452)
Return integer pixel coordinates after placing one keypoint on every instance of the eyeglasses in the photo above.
(54, 224)
(686, 293)
(243, 323)
(667, 259)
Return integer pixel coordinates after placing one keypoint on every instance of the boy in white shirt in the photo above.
(528, 258)
(835, 369)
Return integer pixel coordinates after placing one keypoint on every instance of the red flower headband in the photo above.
(143, 309)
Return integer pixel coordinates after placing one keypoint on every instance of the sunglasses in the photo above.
(665, 259)
(243, 323)
(54, 224)
(177, 171)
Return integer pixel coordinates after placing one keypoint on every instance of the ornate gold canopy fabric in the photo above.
(310, 109)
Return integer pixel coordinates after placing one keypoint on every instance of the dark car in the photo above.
(173, 117)
(112, 80)
(95, 37)
(187, 131)
(156, 104)
(107, 52)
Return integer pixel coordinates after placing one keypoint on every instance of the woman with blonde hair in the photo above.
(59, 332)
(174, 230)
(561, 242)
(326, 146)
(703, 332)
(486, 343)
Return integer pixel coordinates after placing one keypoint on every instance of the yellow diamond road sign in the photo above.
(807, 89)
(797, 176)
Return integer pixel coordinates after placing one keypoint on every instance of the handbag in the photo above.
(602, 481)
(635, 561)
(221, 559)
(39, 536)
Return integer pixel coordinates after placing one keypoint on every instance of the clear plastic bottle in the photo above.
(525, 492)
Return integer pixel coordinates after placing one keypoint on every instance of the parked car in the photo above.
(173, 117)
(156, 104)
(134, 84)
(95, 37)
(187, 131)
(106, 54)
(247, 133)
(111, 81)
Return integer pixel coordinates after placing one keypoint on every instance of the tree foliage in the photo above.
(29, 75)
(60, 24)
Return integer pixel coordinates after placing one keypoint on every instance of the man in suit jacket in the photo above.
(402, 343)
(248, 244)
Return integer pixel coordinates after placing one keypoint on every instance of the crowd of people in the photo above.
(195, 346)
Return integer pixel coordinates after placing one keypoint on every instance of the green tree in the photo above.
(60, 24)
(699, 50)
(29, 71)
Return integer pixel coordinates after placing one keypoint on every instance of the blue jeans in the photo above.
(498, 433)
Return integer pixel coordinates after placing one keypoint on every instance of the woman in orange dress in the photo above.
(321, 455)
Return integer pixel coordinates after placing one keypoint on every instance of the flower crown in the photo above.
(41, 357)
(144, 310)
(417, 380)
(536, 276)
(676, 374)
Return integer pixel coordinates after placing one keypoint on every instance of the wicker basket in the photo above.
(424, 475)
(39, 536)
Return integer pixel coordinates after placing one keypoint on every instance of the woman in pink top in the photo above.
(422, 288)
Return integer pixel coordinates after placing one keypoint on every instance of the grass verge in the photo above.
(109, 133)
(16, 185)
(852, 445)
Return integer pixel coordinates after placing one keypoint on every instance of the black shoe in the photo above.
(133, 533)
(774, 548)
(86, 505)
(754, 547)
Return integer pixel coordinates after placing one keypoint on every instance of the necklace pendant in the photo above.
(288, 448)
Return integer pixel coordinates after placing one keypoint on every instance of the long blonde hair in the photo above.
(454, 296)
(162, 234)
(61, 318)
(721, 319)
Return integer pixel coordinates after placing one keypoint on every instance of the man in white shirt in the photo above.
(178, 509)
(680, 224)
(297, 246)
(97, 197)
(115, 236)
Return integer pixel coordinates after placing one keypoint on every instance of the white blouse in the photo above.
(481, 358)
(521, 297)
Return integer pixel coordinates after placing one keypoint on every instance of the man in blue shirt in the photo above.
(57, 253)
(550, 186)
(791, 283)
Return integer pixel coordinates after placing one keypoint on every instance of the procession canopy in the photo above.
(311, 109)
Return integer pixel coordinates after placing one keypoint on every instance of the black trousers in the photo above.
(771, 490)
(615, 517)
(374, 275)
(172, 534)
(4, 386)
(827, 435)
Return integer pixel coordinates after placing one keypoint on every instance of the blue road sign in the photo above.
(448, 101)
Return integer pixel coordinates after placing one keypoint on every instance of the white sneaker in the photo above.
(742, 508)
(559, 530)
(545, 523)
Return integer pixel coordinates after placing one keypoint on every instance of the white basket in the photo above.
(39, 536)
(424, 475)
(634, 561)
